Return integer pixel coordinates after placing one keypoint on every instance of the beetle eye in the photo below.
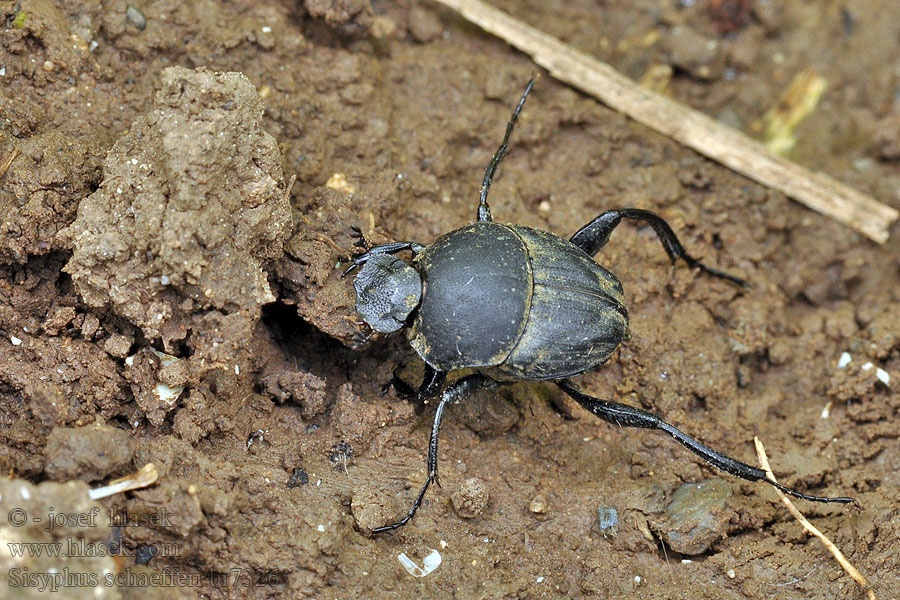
(387, 291)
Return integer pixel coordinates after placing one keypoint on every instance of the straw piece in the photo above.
(685, 125)
(838, 555)
(141, 479)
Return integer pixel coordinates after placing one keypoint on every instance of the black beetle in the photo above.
(515, 303)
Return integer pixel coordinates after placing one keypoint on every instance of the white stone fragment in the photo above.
(431, 562)
(883, 376)
(15, 341)
(168, 394)
(844, 360)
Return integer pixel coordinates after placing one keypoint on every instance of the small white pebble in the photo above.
(686, 561)
(25, 493)
(266, 29)
(93, 45)
(118, 190)
(318, 483)
(129, 361)
(237, 369)
(134, 161)
(320, 528)
(730, 573)
(826, 411)
(15, 341)
(2, 71)
(867, 367)
(444, 545)
(844, 360)
(637, 578)
(539, 579)
(882, 376)
(164, 279)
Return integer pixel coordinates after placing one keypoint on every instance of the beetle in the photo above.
(515, 303)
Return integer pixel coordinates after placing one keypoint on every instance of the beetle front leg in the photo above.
(430, 387)
(595, 234)
(391, 248)
(630, 416)
(455, 392)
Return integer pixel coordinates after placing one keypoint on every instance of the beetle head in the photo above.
(387, 290)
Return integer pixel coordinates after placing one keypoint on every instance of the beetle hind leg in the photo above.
(630, 416)
(595, 234)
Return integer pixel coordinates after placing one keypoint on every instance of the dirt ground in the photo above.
(170, 294)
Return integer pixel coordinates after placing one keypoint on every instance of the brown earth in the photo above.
(170, 295)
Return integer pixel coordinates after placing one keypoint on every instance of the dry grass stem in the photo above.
(838, 555)
(685, 125)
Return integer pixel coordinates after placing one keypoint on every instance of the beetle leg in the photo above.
(484, 211)
(630, 416)
(391, 248)
(430, 387)
(595, 234)
(455, 392)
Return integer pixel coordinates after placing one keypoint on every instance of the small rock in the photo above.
(470, 499)
(608, 520)
(697, 517)
(136, 18)
(538, 505)
(298, 477)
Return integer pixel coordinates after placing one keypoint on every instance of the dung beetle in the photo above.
(515, 303)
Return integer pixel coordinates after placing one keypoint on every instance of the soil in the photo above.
(169, 293)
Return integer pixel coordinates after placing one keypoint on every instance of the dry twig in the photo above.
(838, 555)
(685, 125)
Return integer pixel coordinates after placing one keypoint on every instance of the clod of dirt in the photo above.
(347, 17)
(689, 50)
(46, 179)
(192, 207)
(308, 272)
(303, 388)
(424, 26)
(470, 499)
(371, 507)
(697, 517)
(490, 414)
(156, 381)
(88, 453)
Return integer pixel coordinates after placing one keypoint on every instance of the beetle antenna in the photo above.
(484, 211)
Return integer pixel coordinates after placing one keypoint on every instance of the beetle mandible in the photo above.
(515, 303)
